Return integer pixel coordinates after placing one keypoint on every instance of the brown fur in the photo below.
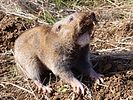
(54, 47)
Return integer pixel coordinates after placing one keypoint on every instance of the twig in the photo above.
(32, 90)
(3, 85)
(107, 42)
(50, 79)
(117, 48)
(119, 72)
(7, 96)
(24, 15)
(103, 85)
(88, 92)
(7, 83)
(73, 96)
(126, 38)
(24, 89)
(112, 3)
(118, 43)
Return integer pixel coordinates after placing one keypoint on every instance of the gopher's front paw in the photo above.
(40, 86)
(77, 86)
(96, 76)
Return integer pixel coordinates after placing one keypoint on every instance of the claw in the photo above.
(45, 89)
(96, 76)
(38, 84)
(77, 87)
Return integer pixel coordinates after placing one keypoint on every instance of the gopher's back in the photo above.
(25, 50)
(30, 37)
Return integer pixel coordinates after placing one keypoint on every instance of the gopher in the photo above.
(58, 48)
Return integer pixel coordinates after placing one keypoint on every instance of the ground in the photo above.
(112, 55)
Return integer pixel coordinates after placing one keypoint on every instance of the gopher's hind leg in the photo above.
(32, 67)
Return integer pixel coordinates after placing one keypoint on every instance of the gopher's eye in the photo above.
(58, 28)
(71, 19)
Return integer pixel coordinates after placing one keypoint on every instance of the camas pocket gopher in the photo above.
(58, 48)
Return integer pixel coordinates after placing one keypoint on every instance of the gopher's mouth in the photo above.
(86, 28)
(85, 34)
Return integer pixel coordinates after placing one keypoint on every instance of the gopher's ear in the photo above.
(93, 17)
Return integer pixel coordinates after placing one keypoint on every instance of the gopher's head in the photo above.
(75, 28)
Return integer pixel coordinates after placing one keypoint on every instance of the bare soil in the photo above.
(115, 64)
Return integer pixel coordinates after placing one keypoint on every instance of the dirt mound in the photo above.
(112, 54)
(10, 28)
